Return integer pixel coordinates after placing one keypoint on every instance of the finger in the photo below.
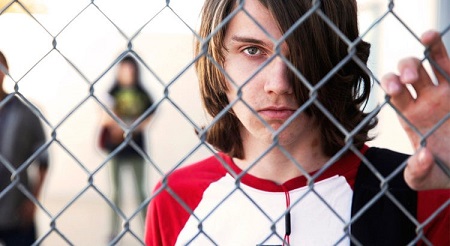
(412, 72)
(438, 53)
(418, 169)
(400, 96)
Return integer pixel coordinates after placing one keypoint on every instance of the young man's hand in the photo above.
(430, 108)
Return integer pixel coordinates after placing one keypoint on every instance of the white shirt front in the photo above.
(246, 215)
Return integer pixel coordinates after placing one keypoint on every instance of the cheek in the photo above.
(248, 98)
(239, 69)
(245, 112)
(244, 115)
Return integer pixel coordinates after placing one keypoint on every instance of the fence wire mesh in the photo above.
(88, 184)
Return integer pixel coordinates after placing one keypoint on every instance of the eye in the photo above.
(252, 51)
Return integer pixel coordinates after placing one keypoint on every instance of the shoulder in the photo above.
(178, 193)
(385, 160)
(197, 175)
(188, 183)
(142, 90)
(17, 103)
(381, 172)
(382, 164)
(18, 108)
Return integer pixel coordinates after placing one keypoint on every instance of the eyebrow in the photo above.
(244, 39)
(250, 40)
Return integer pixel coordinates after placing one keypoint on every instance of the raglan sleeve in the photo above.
(153, 234)
(165, 216)
(175, 199)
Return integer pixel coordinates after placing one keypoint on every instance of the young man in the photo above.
(286, 174)
(21, 135)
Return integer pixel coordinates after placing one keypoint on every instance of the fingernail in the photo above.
(409, 75)
(421, 157)
(428, 36)
(393, 88)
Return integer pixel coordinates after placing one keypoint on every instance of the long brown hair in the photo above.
(315, 49)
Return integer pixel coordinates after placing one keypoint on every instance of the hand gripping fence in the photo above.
(134, 235)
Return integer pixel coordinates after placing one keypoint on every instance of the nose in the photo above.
(277, 78)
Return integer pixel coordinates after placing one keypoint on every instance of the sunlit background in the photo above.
(62, 48)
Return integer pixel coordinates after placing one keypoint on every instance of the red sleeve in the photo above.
(173, 202)
(437, 231)
(152, 232)
(165, 219)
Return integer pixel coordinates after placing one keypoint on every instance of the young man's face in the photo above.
(269, 93)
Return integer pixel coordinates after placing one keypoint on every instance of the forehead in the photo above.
(244, 23)
(126, 65)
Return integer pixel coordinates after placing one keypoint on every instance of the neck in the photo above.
(279, 167)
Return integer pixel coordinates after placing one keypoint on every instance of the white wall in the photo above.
(391, 41)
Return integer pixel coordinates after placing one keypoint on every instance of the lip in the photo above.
(276, 113)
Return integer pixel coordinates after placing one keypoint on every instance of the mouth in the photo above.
(276, 113)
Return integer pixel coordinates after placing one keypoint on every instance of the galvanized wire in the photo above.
(128, 129)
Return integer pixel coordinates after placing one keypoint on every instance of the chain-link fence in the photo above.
(72, 104)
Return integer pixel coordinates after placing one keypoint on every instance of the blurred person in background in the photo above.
(21, 135)
(130, 100)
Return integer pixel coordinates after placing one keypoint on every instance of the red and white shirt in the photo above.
(213, 202)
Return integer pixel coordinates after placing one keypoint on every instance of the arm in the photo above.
(115, 132)
(28, 208)
(36, 137)
(141, 127)
(430, 108)
(42, 173)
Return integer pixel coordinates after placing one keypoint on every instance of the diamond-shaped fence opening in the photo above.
(118, 13)
(63, 59)
(86, 33)
(26, 37)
